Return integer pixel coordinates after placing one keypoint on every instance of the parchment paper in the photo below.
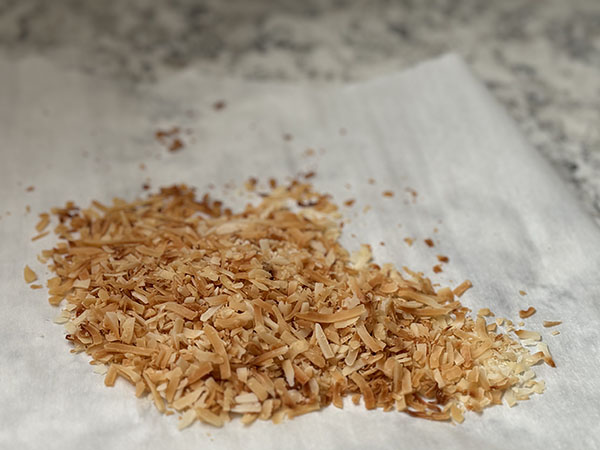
(502, 216)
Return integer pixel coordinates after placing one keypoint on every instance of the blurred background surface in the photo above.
(541, 59)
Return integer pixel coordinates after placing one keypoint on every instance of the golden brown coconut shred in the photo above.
(264, 314)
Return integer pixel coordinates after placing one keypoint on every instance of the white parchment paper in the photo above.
(502, 216)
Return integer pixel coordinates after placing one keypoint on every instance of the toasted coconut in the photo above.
(188, 418)
(462, 288)
(525, 334)
(29, 275)
(525, 313)
(43, 223)
(262, 314)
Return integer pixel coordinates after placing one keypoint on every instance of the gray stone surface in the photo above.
(540, 58)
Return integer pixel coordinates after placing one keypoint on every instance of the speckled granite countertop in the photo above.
(540, 58)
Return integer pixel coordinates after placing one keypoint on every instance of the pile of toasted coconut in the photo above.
(263, 314)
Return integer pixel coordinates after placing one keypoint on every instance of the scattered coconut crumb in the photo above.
(29, 275)
(261, 314)
(250, 184)
(388, 193)
(170, 139)
(551, 323)
(188, 418)
(525, 334)
(485, 312)
(437, 268)
(30, 189)
(309, 175)
(219, 105)
(142, 166)
(413, 193)
(462, 288)
(544, 352)
(35, 286)
(177, 144)
(366, 209)
(522, 292)
(555, 333)
(429, 242)
(525, 313)
(27, 209)
(409, 241)
(161, 134)
(349, 202)
(43, 223)
(40, 235)
(443, 259)
(309, 152)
